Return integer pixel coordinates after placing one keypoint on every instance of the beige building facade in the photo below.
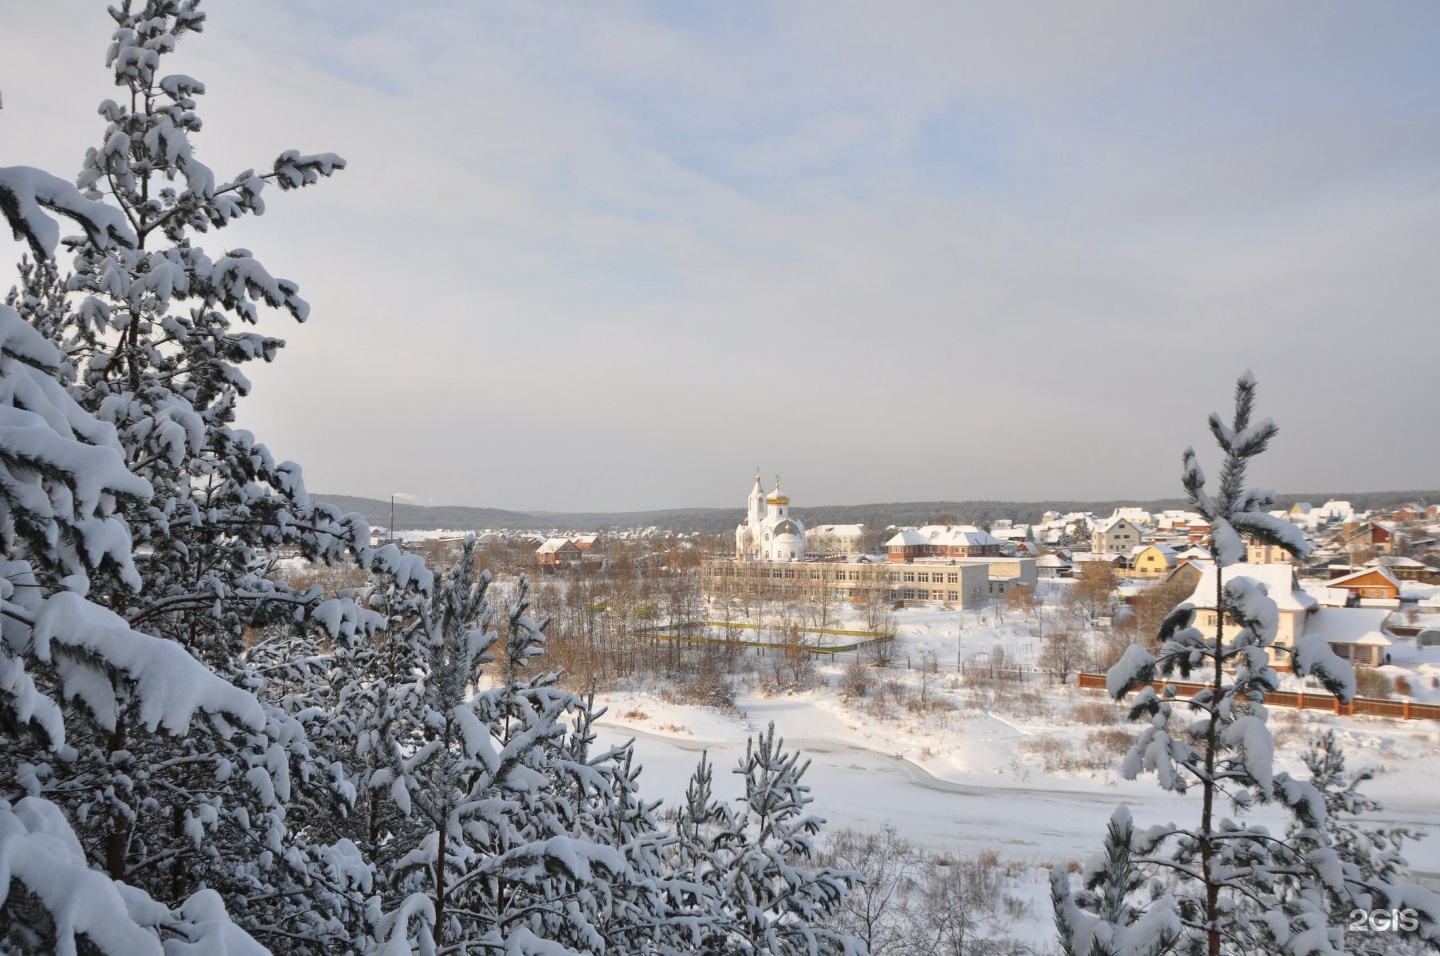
(958, 583)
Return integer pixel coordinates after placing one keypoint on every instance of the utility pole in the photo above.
(392, 519)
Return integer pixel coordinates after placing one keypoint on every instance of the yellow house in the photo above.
(1153, 561)
(1257, 553)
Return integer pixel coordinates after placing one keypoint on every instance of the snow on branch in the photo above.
(41, 859)
(293, 170)
(25, 191)
(87, 642)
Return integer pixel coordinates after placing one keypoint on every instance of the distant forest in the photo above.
(716, 520)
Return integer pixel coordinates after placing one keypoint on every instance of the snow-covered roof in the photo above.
(960, 535)
(553, 545)
(1136, 515)
(1052, 561)
(1279, 581)
(841, 530)
(907, 538)
(1363, 572)
(1349, 625)
(1329, 597)
(1394, 561)
(1080, 556)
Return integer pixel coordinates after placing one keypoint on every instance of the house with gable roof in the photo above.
(1355, 634)
(1374, 586)
(1118, 535)
(1153, 560)
(556, 553)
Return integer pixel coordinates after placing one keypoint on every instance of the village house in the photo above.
(1259, 553)
(1355, 634)
(1373, 586)
(1407, 569)
(1116, 536)
(1153, 561)
(557, 553)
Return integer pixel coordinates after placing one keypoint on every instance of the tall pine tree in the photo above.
(150, 337)
(1233, 886)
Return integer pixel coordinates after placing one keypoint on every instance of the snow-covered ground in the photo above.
(969, 774)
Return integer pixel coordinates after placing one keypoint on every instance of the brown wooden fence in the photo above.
(1400, 709)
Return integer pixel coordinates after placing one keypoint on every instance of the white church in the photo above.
(768, 533)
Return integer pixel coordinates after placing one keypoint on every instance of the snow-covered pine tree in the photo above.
(68, 666)
(151, 340)
(1365, 868)
(494, 828)
(646, 908)
(751, 860)
(1227, 878)
(1122, 910)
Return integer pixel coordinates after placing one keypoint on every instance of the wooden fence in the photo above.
(1321, 700)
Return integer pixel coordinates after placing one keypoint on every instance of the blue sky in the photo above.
(614, 257)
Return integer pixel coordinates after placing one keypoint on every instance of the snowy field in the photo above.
(969, 774)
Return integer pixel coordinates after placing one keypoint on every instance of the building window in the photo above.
(952, 579)
(952, 595)
(923, 578)
(909, 575)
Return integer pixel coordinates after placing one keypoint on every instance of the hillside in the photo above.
(717, 520)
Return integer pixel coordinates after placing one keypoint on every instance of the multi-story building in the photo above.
(959, 583)
(1117, 536)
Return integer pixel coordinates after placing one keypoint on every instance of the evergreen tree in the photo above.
(750, 861)
(1362, 865)
(150, 340)
(1228, 879)
(69, 667)
(1122, 911)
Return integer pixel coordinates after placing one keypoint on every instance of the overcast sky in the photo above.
(615, 256)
